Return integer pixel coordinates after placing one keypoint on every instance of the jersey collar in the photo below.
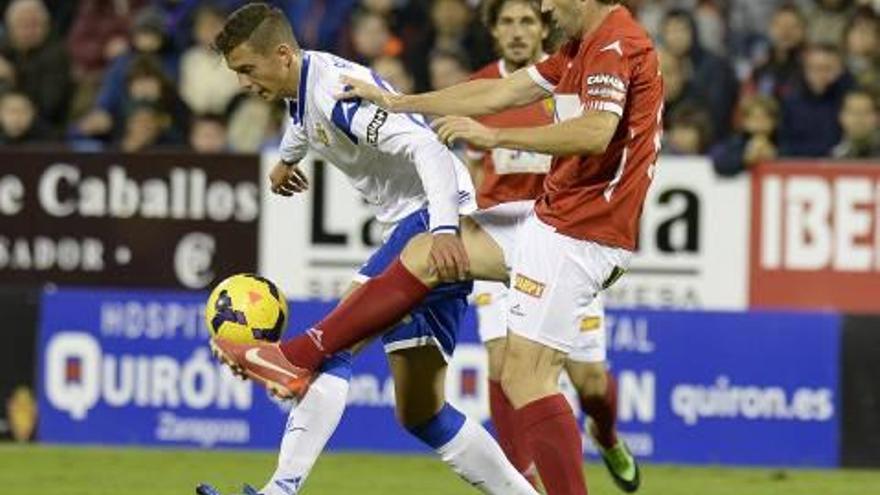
(300, 101)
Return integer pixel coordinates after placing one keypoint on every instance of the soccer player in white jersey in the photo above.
(416, 185)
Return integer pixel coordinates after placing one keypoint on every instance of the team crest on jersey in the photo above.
(323, 137)
(528, 286)
(591, 323)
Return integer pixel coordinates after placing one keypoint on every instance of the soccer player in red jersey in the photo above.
(508, 181)
(608, 96)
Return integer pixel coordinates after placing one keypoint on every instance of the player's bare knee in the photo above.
(416, 258)
(495, 350)
(588, 378)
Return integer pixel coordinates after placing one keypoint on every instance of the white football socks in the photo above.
(310, 425)
(477, 458)
(471, 452)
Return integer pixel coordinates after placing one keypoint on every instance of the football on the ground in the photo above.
(246, 308)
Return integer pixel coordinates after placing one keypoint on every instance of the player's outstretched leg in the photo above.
(419, 382)
(597, 392)
(371, 309)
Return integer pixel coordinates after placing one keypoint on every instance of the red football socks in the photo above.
(510, 438)
(372, 308)
(553, 436)
(603, 412)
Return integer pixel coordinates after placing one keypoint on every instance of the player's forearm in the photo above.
(436, 169)
(477, 97)
(567, 138)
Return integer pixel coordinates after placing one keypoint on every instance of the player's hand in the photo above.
(466, 129)
(287, 180)
(449, 258)
(356, 88)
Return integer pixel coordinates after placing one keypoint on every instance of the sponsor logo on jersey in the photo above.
(528, 286)
(606, 92)
(606, 80)
(591, 323)
(373, 127)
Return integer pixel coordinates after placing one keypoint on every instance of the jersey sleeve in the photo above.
(409, 137)
(548, 72)
(607, 76)
(294, 143)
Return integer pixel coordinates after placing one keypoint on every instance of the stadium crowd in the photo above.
(746, 80)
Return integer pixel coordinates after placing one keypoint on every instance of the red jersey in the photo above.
(512, 175)
(612, 69)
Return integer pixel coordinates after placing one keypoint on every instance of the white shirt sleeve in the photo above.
(294, 143)
(405, 136)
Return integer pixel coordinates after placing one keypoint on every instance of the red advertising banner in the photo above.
(815, 239)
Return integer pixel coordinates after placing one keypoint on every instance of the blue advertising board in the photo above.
(133, 367)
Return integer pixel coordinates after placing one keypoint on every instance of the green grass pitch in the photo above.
(44, 470)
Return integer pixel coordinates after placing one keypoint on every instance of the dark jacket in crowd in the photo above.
(44, 75)
(810, 125)
(715, 77)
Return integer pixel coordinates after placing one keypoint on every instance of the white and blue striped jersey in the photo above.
(394, 160)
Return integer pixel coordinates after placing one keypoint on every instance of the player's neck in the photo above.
(595, 16)
(292, 84)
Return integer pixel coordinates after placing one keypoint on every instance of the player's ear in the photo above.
(288, 56)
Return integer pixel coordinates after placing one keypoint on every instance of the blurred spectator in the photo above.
(678, 86)
(250, 123)
(689, 131)
(748, 22)
(828, 21)
(810, 124)
(372, 38)
(755, 142)
(652, 12)
(145, 82)
(19, 122)
(99, 34)
(711, 27)
(393, 71)
(206, 83)
(33, 61)
(447, 68)
(178, 17)
(454, 28)
(147, 39)
(63, 13)
(859, 119)
(711, 73)
(207, 134)
(146, 126)
(862, 44)
(779, 74)
(319, 24)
